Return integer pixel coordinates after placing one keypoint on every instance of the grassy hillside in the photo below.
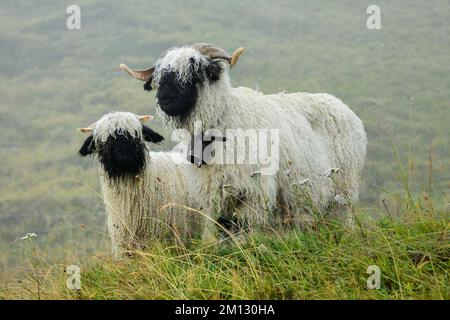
(53, 80)
(327, 261)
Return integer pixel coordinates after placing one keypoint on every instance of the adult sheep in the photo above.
(317, 132)
(136, 184)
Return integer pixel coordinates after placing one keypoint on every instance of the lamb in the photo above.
(322, 143)
(136, 184)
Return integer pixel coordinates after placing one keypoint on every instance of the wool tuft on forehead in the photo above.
(185, 61)
(117, 123)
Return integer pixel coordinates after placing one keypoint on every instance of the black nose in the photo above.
(122, 155)
(174, 97)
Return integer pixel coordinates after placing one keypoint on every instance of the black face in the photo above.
(177, 99)
(122, 155)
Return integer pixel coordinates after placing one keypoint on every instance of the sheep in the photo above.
(136, 184)
(317, 132)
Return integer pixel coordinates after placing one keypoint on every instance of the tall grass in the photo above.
(327, 261)
(408, 239)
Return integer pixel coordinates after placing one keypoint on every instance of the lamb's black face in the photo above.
(121, 155)
(177, 98)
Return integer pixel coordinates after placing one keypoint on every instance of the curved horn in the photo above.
(143, 75)
(212, 51)
(145, 118)
(236, 55)
(87, 129)
(215, 52)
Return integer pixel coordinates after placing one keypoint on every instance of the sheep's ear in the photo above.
(151, 136)
(88, 147)
(213, 70)
(148, 85)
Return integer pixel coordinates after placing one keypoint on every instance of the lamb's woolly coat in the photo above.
(159, 203)
(317, 132)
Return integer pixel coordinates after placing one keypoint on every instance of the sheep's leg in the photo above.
(209, 236)
(116, 250)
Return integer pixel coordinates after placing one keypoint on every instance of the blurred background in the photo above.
(53, 80)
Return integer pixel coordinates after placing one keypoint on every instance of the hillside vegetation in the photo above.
(53, 80)
(327, 261)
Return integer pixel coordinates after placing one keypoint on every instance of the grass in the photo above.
(407, 238)
(328, 261)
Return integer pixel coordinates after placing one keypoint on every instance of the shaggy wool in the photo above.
(160, 203)
(317, 132)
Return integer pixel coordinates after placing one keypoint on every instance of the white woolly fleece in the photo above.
(178, 59)
(317, 132)
(133, 205)
(117, 123)
(134, 208)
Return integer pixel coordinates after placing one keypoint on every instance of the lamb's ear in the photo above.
(88, 147)
(151, 136)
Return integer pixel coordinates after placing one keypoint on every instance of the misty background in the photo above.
(54, 80)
